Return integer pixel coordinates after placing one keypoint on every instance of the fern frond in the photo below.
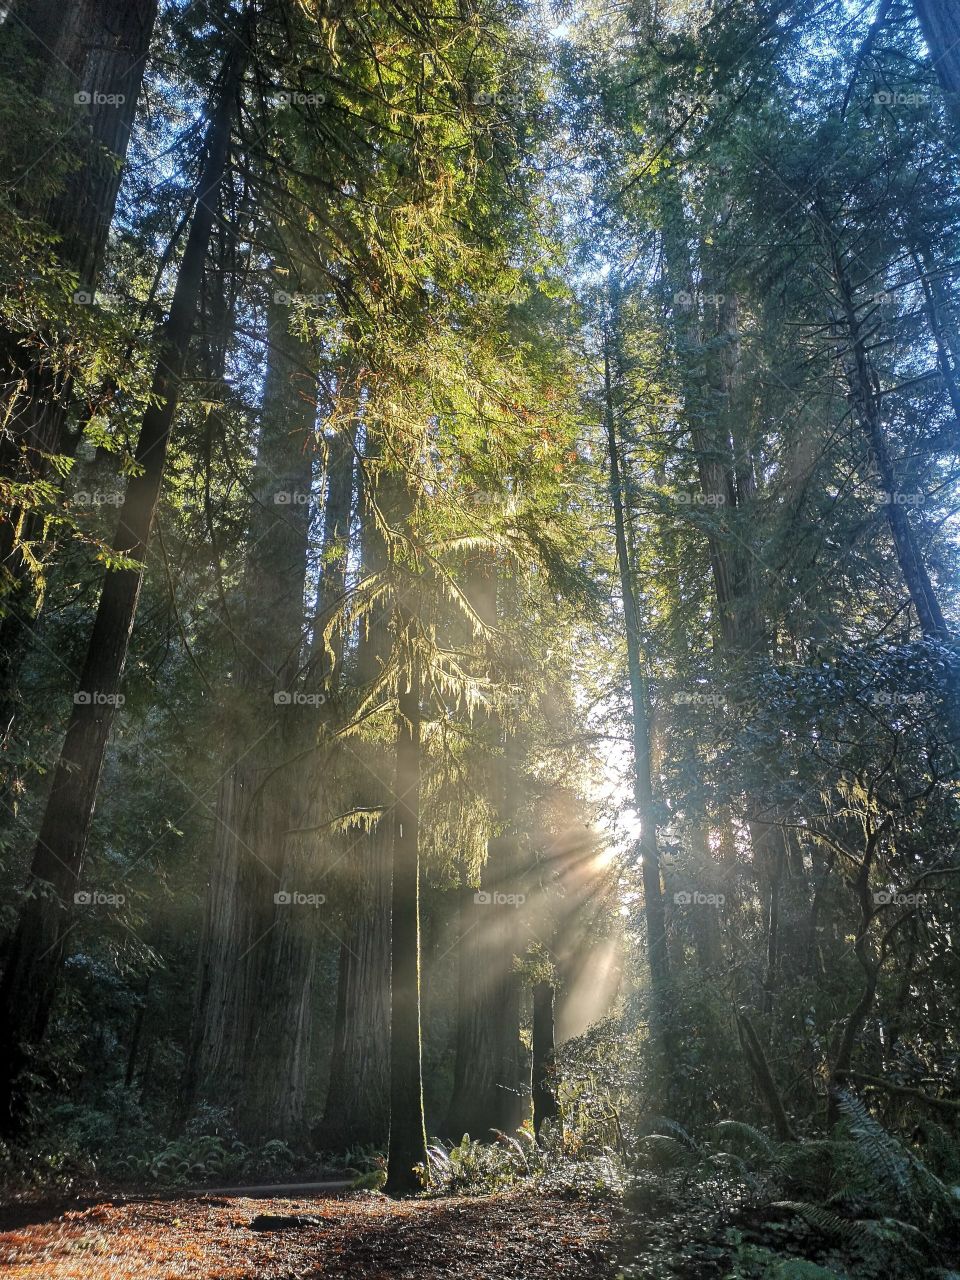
(662, 1124)
(666, 1152)
(743, 1135)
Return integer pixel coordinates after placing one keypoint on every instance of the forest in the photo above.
(479, 645)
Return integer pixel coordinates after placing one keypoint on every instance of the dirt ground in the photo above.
(360, 1236)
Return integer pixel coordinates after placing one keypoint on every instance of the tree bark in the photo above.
(251, 1036)
(35, 959)
(97, 47)
(408, 1137)
(490, 1064)
(545, 1105)
(642, 778)
(356, 1111)
(864, 395)
(940, 22)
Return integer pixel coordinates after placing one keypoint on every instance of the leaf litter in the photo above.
(510, 1236)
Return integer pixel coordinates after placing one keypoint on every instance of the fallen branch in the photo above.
(903, 1090)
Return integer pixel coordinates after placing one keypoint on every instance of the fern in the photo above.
(662, 1125)
(746, 1137)
(886, 1158)
(825, 1221)
(666, 1152)
(897, 1170)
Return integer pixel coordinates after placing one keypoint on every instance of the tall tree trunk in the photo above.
(941, 327)
(101, 53)
(356, 1112)
(490, 1063)
(642, 777)
(251, 1020)
(863, 385)
(97, 48)
(35, 959)
(408, 1138)
(545, 1105)
(706, 396)
(356, 1109)
(940, 22)
(137, 1034)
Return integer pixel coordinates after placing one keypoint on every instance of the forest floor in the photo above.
(359, 1236)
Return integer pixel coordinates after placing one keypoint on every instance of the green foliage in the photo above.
(755, 1262)
(860, 1204)
(558, 1163)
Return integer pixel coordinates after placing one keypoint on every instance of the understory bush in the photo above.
(81, 1149)
(857, 1205)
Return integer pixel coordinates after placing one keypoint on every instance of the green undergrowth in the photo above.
(82, 1151)
(734, 1204)
(553, 1165)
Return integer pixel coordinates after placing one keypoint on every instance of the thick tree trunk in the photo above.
(357, 1111)
(490, 1064)
(251, 1021)
(491, 1072)
(101, 53)
(97, 48)
(408, 1138)
(940, 22)
(33, 966)
(545, 1105)
(723, 471)
(137, 1035)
